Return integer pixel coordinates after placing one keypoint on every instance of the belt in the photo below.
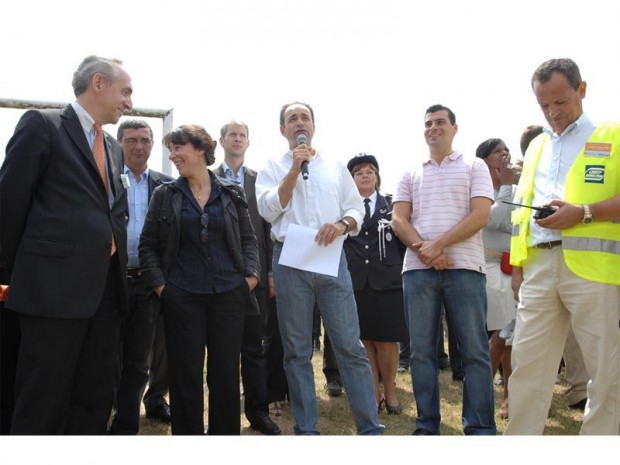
(492, 253)
(134, 272)
(548, 245)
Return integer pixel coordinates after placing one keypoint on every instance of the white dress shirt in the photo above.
(555, 162)
(328, 195)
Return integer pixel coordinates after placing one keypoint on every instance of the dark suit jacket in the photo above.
(362, 251)
(262, 229)
(156, 179)
(56, 223)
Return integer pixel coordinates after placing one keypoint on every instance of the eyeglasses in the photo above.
(204, 232)
(133, 141)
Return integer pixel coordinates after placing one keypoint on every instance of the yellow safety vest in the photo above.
(591, 251)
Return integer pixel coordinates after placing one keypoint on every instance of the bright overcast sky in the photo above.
(369, 68)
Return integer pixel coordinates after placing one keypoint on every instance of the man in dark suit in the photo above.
(139, 327)
(234, 140)
(63, 239)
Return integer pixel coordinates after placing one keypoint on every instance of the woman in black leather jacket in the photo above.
(200, 259)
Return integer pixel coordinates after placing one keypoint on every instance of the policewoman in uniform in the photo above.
(375, 259)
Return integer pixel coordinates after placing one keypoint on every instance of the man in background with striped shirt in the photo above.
(439, 209)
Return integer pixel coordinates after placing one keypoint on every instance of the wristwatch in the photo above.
(587, 215)
(347, 225)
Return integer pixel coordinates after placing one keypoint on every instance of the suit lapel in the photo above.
(220, 171)
(249, 183)
(72, 125)
(113, 168)
(74, 128)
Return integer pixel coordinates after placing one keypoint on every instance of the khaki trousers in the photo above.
(576, 375)
(552, 299)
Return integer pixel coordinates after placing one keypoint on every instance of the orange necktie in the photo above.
(99, 154)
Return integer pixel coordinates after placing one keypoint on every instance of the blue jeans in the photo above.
(464, 296)
(297, 292)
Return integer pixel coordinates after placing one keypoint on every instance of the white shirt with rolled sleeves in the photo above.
(328, 195)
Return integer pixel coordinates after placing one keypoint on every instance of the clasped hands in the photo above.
(431, 254)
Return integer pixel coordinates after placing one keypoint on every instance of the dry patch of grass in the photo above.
(335, 416)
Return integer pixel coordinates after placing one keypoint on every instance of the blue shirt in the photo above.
(138, 202)
(239, 178)
(555, 162)
(203, 268)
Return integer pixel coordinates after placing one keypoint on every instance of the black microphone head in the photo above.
(302, 139)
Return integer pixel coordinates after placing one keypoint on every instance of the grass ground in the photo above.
(335, 416)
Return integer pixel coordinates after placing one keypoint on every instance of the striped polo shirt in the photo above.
(440, 197)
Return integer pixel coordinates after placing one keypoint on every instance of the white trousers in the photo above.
(551, 299)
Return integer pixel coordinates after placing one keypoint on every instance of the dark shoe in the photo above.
(422, 432)
(457, 376)
(334, 388)
(444, 363)
(266, 426)
(402, 367)
(316, 345)
(393, 410)
(581, 405)
(161, 413)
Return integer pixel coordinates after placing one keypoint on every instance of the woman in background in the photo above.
(501, 308)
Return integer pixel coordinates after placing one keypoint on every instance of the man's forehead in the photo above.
(136, 130)
(297, 108)
(436, 115)
(236, 128)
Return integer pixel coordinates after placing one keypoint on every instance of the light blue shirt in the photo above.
(239, 178)
(555, 162)
(138, 202)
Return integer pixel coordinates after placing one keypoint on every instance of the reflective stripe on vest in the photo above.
(591, 244)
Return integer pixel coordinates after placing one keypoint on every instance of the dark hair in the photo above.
(224, 129)
(564, 66)
(91, 65)
(528, 136)
(436, 108)
(486, 148)
(132, 124)
(195, 135)
(286, 105)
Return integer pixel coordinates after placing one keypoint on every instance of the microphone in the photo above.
(301, 140)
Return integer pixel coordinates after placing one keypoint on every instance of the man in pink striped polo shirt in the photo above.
(439, 209)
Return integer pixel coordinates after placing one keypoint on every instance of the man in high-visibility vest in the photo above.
(569, 261)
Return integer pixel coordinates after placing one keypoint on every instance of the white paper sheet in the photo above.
(301, 251)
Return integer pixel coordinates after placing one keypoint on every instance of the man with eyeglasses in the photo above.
(142, 339)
